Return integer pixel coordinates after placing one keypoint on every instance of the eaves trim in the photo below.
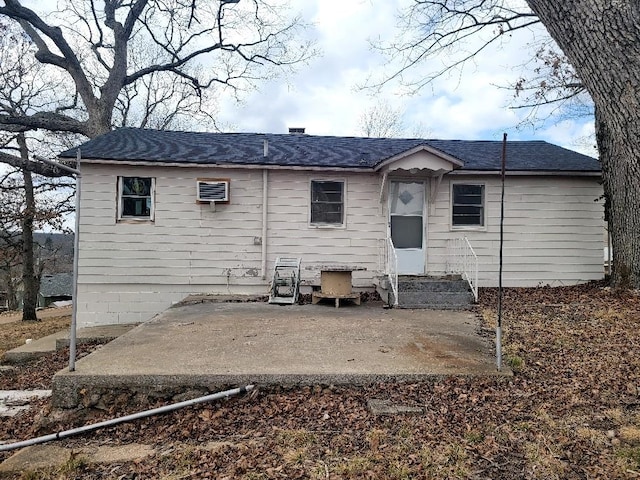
(252, 166)
(529, 173)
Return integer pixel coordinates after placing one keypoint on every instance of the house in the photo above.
(4, 301)
(55, 288)
(165, 214)
(53, 262)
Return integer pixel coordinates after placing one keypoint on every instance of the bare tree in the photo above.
(21, 91)
(381, 120)
(92, 65)
(29, 202)
(162, 100)
(10, 245)
(550, 90)
(601, 41)
(25, 87)
(90, 43)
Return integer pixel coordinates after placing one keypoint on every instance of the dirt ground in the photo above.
(14, 332)
(12, 316)
(572, 410)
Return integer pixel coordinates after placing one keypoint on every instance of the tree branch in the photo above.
(438, 28)
(107, 40)
(169, 67)
(35, 167)
(45, 120)
(31, 22)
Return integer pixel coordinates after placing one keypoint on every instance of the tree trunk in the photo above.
(621, 180)
(9, 282)
(30, 283)
(12, 297)
(602, 42)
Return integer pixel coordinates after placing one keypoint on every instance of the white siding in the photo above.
(553, 230)
(357, 244)
(131, 271)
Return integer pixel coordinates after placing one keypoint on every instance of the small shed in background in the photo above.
(4, 301)
(55, 288)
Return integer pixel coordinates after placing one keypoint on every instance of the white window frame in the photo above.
(152, 194)
(344, 203)
(482, 227)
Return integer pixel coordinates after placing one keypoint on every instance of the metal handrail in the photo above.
(392, 269)
(465, 263)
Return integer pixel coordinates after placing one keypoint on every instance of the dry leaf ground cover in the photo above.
(571, 410)
(15, 333)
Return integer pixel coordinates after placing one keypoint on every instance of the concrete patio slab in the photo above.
(32, 350)
(209, 345)
(37, 457)
(57, 341)
(13, 402)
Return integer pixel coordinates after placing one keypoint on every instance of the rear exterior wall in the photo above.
(553, 230)
(128, 272)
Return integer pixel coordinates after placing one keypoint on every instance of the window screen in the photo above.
(468, 205)
(327, 202)
(136, 197)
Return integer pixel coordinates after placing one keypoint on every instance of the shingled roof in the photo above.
(141, 145)
(57, 285)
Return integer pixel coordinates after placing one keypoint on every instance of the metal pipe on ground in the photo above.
(126, 418)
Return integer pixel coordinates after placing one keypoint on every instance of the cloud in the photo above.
(323, 96)
(576, 134)
(471, 103)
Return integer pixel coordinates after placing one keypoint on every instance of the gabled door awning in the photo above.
(424, 159)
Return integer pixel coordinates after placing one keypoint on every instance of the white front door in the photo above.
(406, 211)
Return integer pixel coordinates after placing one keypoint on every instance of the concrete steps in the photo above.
(435, 293)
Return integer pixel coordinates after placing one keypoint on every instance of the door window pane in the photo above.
(406, 231)
(407, 198)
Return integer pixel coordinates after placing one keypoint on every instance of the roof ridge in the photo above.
(343, 137)
(136, 145)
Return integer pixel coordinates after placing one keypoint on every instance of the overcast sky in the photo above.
(323, 97)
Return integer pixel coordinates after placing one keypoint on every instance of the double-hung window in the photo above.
(136, 198)
(467, 205)
(327, 202)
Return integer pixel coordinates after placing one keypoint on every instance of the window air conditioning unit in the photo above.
(213, 191)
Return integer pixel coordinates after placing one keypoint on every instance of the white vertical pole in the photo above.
(76, 243)
(76, 251)
(265, 218)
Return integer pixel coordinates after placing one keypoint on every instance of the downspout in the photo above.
(126, 418)
(265, 211)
